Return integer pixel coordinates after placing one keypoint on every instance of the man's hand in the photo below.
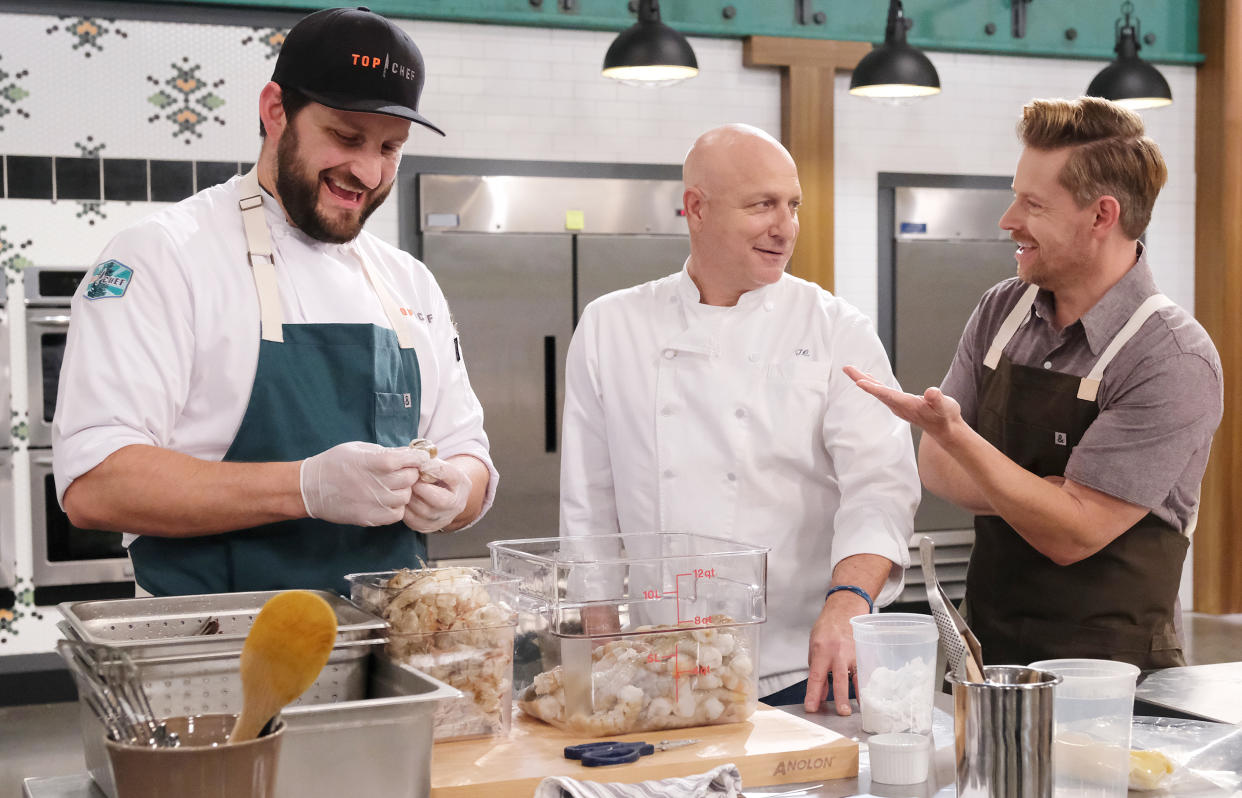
(832, 651)
(363, 484)
(934, 412)
(433, 505)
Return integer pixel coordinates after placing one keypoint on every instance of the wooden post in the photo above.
(1218, 295)
(809, 66)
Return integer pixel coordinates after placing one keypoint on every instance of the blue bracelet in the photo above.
(855, 589)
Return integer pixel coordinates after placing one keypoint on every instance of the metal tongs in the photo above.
(960, 644)
(111, 686)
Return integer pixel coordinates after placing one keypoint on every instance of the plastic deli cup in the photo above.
(896, 671)
(899, 757)
(205, 765)
(1094, 711)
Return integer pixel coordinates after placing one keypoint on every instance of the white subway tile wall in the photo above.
(179, 91)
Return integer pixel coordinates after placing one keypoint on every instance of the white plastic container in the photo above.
(896, 671)
(1094, 706)
(630, 633)
(899, 757)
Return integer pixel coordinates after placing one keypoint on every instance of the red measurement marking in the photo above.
(696, 573)
(678, 672)
(652, 594)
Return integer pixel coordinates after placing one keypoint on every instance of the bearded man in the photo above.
(247, 368)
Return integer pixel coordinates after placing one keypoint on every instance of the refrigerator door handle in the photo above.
(549, 393)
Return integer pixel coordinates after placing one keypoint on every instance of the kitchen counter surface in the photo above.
(57, 725)
(44, 739)
(1212, 692)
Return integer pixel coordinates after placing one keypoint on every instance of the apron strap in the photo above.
(263, 267)
(262, 261)
(1012, 322)
(405, 340)
(1090, 385)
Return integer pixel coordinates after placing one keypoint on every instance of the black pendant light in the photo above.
(650, 53)
(1129, 80)
(895, 69)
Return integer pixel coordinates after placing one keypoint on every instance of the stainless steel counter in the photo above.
(45, 740)
(1213, 692)
(56, 717)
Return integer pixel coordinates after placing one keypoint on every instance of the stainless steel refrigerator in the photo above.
(518, 258)
(947, 251)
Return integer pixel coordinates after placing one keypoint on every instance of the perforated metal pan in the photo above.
(149, 626)
(363, 727)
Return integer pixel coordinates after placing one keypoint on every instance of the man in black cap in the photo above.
(247, 369)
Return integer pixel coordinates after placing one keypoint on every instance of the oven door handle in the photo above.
(50, 321)
(40, 461)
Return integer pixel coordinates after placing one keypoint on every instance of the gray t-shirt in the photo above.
(1160, 399)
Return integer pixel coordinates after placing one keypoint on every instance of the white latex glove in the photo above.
(363, 484)
(434, 505)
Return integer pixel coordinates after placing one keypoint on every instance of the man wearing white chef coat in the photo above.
(246, 369)
(712, 401)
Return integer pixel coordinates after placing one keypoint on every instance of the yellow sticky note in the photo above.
(575, 220)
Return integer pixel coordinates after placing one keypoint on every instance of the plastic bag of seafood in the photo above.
(456, 625)
(630, 633)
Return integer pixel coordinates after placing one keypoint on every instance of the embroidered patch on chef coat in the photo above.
(109, 279)
(1059, 437)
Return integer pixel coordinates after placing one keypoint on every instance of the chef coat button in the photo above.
(740, 412)
(668, 473)
(666, 411)
(768, 306)
(1047, 364)
(754, 358)
(669, 354)
(732, 477)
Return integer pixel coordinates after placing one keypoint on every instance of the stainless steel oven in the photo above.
(48, 293)
(68, 562)
(6, 375)
(64, 554)
(8, 541)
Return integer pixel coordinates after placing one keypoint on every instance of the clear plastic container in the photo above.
(629, 633)
(896, 654)
(455, 625)
(1094, 712)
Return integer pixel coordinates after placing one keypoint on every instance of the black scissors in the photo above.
(615, 752)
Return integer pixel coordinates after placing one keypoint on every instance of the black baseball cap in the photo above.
(352, 59)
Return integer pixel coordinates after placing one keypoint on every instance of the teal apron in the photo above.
(1118, 603)
(315, 386)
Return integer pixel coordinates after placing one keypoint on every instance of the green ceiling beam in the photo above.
(1054, 28)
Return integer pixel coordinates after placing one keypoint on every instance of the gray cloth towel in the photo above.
(719, 782)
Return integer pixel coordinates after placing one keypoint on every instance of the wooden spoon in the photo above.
(284, 652)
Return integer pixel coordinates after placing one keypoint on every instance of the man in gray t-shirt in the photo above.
(1076, 417)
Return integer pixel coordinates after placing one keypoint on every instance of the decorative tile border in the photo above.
(92, 180)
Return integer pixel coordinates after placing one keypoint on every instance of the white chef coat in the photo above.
(171, 362)
(738, 422)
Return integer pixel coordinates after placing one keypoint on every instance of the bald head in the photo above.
(722, 155)
(741, 203)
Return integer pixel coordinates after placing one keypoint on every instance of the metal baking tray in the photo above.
(146, 626)
(366, 722)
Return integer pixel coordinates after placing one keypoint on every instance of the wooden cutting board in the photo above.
(773, 747)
